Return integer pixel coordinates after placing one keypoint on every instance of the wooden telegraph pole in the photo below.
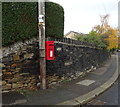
(41, 26)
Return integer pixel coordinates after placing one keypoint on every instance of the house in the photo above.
(73, 35)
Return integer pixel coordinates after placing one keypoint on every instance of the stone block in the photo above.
(30, 84)
(2, 65)
(25, 80)
(33, 80)
(13, 66)
(28, 56)
(17, 75)
(6, 59)
(4, 83)
(7, 87)
(68, 63)
(0, 74)
(4, 70)
(7, 75)
(24, 74)
(17, 69)
(8, 66)
(16, 57)
(32, 77)
(25, 85)
(17, 85)
(53, 83)
(14, 80)
(0, 82)
(62, 78)
(59, 49)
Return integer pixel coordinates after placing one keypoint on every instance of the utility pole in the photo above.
(41, 26)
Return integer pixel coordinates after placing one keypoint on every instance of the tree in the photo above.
(101, 29)
(107, 33)
(112, 38)
(93, 37)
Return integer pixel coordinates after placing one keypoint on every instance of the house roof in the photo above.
(74, 33)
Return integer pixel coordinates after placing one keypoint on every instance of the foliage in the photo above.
(20, 21)
(112, 38)
(54, 20)
(94, 38)
(108, 34)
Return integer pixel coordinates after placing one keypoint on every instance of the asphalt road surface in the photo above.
(110, 96)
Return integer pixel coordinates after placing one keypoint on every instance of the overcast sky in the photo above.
(83, 15)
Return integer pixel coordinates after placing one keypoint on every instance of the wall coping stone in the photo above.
(5, 51)
(15, 47)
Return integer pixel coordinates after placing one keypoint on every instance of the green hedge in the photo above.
(20, 21)
(54, 20)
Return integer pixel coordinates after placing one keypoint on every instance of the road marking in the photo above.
(86, 82)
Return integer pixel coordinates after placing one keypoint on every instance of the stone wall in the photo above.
(20, 62)
(73, 57)
(20, 66)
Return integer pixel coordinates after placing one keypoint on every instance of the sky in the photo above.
(82, 15)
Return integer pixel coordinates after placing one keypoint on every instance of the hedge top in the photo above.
(20, 21)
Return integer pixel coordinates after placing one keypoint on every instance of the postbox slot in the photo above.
(51, 44)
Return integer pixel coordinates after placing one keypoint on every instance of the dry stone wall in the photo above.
(20, 62)
(20, 66)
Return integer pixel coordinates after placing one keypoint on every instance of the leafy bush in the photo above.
(94, 38)
(20, 21)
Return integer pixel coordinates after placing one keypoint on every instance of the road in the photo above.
(110, 96)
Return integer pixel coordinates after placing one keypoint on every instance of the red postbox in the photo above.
(49, 50)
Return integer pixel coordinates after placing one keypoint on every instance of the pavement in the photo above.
(75, 92)
(109, 97)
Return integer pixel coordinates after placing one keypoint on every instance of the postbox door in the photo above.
(49, 50)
